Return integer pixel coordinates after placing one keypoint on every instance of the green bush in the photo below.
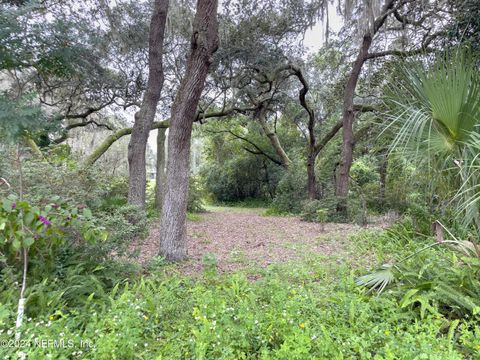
(125, 225)
(41, 229)
(426, 276)
(309, 210)
(291, 191)
(196, 195)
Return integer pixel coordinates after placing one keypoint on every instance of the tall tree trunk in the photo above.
(383, 178)
(261, 116)
(145, 116)
(347, 134)
(312, 180)
(349, 113)
(160, 178)
(204, 43)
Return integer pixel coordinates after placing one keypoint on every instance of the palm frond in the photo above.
(378, 280)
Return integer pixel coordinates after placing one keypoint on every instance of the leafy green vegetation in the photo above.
(297, 310)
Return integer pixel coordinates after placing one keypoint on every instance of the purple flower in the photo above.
(14, 205)
(44, 220)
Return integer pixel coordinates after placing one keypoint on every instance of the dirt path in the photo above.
(239, 238)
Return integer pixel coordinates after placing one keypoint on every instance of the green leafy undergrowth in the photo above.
(291, 311)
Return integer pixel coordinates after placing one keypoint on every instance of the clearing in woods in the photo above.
(240, 238)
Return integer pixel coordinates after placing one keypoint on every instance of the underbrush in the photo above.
(291, 311)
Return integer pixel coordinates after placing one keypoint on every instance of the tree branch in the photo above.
(105, 145)
(264, 154)
(69, 127)
(259, 150)
(402, 53)
(328, 136)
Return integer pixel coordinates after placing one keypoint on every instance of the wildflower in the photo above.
(51, 317)
(14, 205)
(44, 220)
(145, 317)
(302, 326)
(387, 332)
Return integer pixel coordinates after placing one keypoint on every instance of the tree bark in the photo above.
(204, 43)
(347, 120)
(312, 140)
(312, 180)
(383, 179)
(145, 116)
(261, 116)
(160, 179)
(349, 111)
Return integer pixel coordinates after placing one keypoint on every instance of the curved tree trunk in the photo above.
(160, 179)
(110, 140)
(204, 43)
(261, 116)
(145, 116)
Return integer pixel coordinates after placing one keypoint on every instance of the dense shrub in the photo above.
(427, 277)
(309, 210)
(291, 191)
(239, 178)
(125, 225)
(196, 196)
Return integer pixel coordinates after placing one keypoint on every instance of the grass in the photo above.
(246, 203)
(194, 217)
(231, 209)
